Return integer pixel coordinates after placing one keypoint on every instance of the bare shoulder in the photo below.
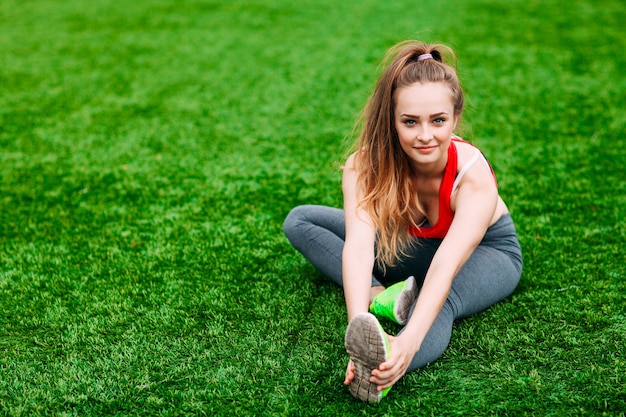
(349, 171)
(478, 180)
(350, 162)
(465, 151)
(349, 178)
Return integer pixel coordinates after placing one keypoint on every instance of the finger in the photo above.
(381, 378)
(387, 376)
(349, 373)
(389, 384)
(386, 368)
(349, 378)
(388, 364)
(388, 380)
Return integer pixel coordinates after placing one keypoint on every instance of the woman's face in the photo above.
(424, 119)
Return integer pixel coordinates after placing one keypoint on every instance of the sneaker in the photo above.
(396, 301)
(368, 347)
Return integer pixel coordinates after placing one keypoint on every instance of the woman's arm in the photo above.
(475, 202)
(358, 252)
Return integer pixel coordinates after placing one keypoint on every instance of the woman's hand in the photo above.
(390, 371)
(349, 373)
(403, 350)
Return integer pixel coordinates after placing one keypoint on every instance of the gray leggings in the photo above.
(490, 274)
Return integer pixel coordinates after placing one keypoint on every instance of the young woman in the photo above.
(424, 238)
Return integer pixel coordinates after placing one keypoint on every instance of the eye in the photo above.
(409, 122)
(439, 120)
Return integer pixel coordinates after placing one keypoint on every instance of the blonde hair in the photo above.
(383, 168)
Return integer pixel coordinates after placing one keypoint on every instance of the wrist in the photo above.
(410, 341)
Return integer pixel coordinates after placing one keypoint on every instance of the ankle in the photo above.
(374, 291)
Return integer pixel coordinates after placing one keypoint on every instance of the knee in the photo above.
(294, 220)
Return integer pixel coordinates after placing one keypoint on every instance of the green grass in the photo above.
(150, 150)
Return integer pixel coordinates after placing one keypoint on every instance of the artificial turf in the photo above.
(149, 151)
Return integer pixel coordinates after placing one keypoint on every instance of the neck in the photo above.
(432, 170)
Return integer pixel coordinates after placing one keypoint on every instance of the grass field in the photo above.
(149, 151)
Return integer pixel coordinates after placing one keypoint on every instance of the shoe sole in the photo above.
(366, 346)
(405, 301)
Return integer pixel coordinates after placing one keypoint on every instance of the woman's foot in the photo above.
(395, 302)
(368, 347)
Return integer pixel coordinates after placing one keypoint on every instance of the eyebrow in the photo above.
(443, 113)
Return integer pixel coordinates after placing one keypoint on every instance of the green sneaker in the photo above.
(396, 301)
(368, 347)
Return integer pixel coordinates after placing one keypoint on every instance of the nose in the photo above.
(424, 133)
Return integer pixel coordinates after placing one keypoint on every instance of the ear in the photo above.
(456, 121)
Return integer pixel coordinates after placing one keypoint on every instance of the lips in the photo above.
(425, 149)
